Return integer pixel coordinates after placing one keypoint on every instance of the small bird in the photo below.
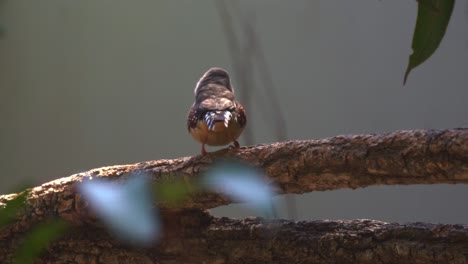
(215, 118)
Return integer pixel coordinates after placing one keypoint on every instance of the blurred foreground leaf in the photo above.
(172, 192)
(241, 183)
(38, 239)
(432, 21)
(126, 208)
(8, 212)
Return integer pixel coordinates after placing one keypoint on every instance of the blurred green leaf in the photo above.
(38, 238)
(172, 192)
(8, 212)
(432, 21)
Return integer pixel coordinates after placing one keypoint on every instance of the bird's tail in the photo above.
(213, 117)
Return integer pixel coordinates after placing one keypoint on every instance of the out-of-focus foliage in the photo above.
(12, 206)
(173, 192)
(241, 183)
(432, 21)
(38, 238)
(126, 208)
(35, 239)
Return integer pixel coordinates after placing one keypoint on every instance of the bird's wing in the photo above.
(218, 103)
(241, 114)
(192, 118)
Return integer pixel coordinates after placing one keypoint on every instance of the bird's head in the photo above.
(214, 79)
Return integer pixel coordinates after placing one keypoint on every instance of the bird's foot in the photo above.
(235, 145)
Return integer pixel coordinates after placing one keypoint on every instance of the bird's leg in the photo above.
(203, 150)
(234, 141)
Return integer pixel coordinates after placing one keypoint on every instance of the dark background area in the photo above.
(85, 84)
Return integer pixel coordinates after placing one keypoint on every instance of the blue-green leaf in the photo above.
(241, 183)
(125, 208)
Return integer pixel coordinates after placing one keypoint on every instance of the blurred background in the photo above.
(86, 83)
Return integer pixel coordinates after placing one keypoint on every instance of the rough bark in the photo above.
(199, 238)
(403, 157)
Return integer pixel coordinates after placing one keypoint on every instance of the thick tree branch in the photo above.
(198, 238)
(403, 157)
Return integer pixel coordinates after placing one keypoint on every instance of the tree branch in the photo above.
(199, 238)
(403, 157)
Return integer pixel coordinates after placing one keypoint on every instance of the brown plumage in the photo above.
(215, 118)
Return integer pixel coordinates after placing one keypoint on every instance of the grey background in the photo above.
(88, 83)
